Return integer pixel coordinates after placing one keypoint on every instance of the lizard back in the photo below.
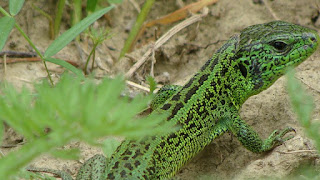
(245, 65)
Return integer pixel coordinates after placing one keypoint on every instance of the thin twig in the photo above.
(18, 54)
(131, 57)
(138, 86)
(33, 59)
(299, 151)
(153, 61)
(163, 39)
(25, 80)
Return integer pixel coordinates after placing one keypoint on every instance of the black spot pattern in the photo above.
(233, 74)
(191, 92)
(166, 106)
(203, 78)
(136, 163)
(128, 166)
(176, 97)
(175, 110)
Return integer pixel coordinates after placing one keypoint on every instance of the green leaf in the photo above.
(6, 25)
(1, 132)
(115, 1)
(74, 109)
(73, 32)
(58, 16)
(66, 65)
(303, 105)
(91, 5)
(15, 6)
(302, 102)
(152, 84)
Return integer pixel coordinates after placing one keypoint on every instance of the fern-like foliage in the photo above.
(75, 109)
(303, 105)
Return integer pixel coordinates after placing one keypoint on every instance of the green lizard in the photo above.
(208, 104)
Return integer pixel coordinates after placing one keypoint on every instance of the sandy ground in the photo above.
(176, 62)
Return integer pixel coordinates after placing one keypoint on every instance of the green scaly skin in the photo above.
(208, 105)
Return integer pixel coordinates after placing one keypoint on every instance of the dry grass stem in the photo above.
(130, 83)
(163, 39)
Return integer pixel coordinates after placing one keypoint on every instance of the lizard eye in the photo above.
(279, 45)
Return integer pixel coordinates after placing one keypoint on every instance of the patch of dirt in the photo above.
(177, 61)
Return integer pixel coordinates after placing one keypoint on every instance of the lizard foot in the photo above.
(276, 138)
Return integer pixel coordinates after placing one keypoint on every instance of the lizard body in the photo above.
(208, 104)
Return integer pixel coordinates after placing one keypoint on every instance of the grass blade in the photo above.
(303, 105)
(15, 6)
(66, 65)
(6, 25)
(135, 30)
(57, 19)
(69, 35)
(91, 5)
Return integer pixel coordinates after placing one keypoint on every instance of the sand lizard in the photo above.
(208, 104)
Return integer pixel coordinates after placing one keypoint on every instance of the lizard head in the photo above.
(266, 50)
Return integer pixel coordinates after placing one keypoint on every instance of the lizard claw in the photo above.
(279, 137)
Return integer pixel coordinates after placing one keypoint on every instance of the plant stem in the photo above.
(36, 49)
(4, 12)
(76, 14)
(57, 19)
(134, 31)
(48, 17)
(88, 59)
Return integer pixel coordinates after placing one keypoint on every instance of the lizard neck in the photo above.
(240, 89)
(226, 79)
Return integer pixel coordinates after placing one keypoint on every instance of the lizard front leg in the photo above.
(251, 140)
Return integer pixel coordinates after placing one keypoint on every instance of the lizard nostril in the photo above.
(311, 37)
